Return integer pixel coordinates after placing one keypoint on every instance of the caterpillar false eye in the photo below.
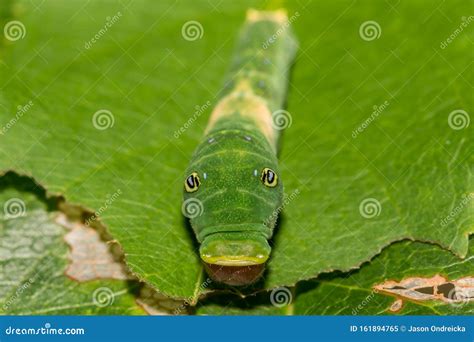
(192, 183)
(269, 177)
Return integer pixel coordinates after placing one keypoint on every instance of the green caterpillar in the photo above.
(232, 188)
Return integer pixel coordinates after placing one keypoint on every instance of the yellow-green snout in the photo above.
(235, 249)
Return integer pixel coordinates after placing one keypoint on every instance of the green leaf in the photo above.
(353, 293)
(33, 261)
(147, 79)
(408, 162)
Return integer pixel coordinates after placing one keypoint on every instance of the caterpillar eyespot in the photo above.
(269, 177)
(192, 183)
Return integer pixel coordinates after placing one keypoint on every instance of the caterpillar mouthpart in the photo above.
(235, 275)
(235, 249)
(236, 258)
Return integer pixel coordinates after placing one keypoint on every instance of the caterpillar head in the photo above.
(233, 182)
